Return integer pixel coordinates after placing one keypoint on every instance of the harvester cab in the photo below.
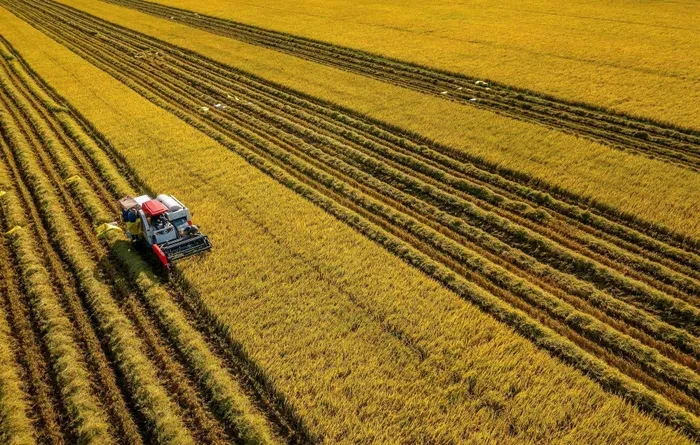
(164, 224)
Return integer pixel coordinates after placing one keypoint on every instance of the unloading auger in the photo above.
(164, 224)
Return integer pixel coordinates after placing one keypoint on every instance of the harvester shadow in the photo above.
(110, 272)
(219, 338)
(259, 386)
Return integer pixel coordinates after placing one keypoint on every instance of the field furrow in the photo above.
(100, 365)
(175, 378)
(625, 132)
(46, 409)
(581, 275)
(15, 401)
(206, 391)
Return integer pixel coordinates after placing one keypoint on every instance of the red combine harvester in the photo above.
(165, 225)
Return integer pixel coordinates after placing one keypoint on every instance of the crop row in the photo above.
(541, 197)
(46, 409)
(60, 159)
(103, 159)
(15, 424)
(449, 179)
(57, 332)
(221, 390)
(621, 131)
(125, 349)
(452, 175)
(344, 188)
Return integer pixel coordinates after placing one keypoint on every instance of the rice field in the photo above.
(368, 283)
(631, 57)
(658, 192)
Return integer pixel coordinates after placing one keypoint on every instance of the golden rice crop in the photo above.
(125, 347)
(228, 397)
(646, 188)
(265, 260)
(572, 50)
(305, 308)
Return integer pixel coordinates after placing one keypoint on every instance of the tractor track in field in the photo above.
(44, 134)
(652, 139)
(628, 297)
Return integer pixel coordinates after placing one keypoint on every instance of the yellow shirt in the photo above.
(135, 228)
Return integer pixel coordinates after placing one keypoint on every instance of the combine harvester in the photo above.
(164, 224)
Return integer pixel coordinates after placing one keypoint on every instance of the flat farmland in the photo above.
(370, 281)
(627, 56)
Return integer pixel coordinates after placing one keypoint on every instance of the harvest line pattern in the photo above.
(96, 304)
(631, 305)
(625, 132)
(46, 412)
